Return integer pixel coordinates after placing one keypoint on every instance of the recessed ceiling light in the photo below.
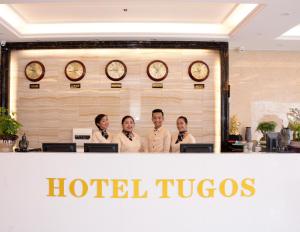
(212, 30)
(292, 34)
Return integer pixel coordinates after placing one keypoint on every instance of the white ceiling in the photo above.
(99, 12)
(258, 31)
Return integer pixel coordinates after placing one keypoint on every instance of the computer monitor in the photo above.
(196, 148)
(101, 147)
(59, 147)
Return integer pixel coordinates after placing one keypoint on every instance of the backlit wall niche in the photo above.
(48, 114)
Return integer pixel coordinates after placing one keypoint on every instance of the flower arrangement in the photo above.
(294, 122)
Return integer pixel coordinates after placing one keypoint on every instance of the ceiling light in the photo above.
(238, 15)
(32, 30)
(292, 34)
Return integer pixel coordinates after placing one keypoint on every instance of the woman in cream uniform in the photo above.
(101, 135)
(183, 136)
(127, 140)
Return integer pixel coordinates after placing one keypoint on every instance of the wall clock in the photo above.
(75, 70)
(34, 71)
(157, 70)
(115, 70)
(198, 71)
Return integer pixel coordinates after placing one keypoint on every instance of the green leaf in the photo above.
(8, 125)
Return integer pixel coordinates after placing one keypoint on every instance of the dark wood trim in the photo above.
(117, 44)
(225, 93)
(4, 76)
(222, 47)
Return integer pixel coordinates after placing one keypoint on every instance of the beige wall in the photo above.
(48, 114)
(264, 85)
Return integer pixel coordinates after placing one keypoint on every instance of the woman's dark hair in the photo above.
(125, 117)
(98, 119)
(157, 111)
(183, 118)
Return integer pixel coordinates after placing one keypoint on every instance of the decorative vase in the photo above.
(7, 145)
(248, 136)
(284, 138)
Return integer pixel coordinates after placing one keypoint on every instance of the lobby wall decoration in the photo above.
(34, 71)
(198, 71)
(157, 70)
(116, 70)
(75, 70)
(135, 94)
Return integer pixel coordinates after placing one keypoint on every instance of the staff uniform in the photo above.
(101, 136)
(128, 142)
(179, 138)
(158, 140)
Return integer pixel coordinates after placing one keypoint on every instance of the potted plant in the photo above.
(266, 127)
(294, 125)
(9, 128)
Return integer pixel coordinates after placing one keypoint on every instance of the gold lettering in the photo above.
(234, 188)
(164, 189)
(211, 191)
(136, 189)
(99, 186)
(60, 187)
(84, 188)
(248, 186)
(181, 188)
(118, 188)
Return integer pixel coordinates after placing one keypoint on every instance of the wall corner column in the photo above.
(4, 76)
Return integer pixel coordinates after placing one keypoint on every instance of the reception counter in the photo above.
(142, 192)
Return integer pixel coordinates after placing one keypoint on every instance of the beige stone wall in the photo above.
(48, 114)
(264, 85)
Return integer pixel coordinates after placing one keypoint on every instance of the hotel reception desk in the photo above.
(151, 193)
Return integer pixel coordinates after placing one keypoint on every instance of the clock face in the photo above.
(34, 71)
(199, 71)
(115, 70)
(157, 70)
(75, 70)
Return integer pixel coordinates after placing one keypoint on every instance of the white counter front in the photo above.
(60, 192)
